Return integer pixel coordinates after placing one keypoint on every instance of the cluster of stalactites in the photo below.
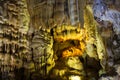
(13, 30)
(49, 13)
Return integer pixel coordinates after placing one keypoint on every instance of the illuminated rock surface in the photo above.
(57, 40)
(14, 50)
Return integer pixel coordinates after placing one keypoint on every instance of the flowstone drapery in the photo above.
(59, 40)
(14, 50)
(63, 25)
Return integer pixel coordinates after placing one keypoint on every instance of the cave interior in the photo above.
(59, 40)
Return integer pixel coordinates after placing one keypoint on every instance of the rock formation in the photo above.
(59, 40)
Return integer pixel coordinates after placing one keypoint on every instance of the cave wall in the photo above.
(14, 50)
(87, 40)
(46, 39)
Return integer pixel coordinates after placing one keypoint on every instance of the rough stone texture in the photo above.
(41, 32)
(110, 35)
(47, 14)
(13, 41)
(88, 49)
(54, 46)
(41, 13)
(116, 47)
(64, 69)
(42, 54)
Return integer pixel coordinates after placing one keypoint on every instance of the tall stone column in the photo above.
(41, 40)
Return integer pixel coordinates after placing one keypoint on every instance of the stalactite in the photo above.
(13, 23)
(41, 14)
(73, 11)
(76, 12)
(61, 42)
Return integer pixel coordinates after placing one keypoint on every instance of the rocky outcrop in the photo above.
(109, 30)
(42, 54)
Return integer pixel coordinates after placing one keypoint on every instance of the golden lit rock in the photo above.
(72, 52)
(75, 78)
(57, 40)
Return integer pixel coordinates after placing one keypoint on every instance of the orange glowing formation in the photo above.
(74, 51)
(72, 33)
